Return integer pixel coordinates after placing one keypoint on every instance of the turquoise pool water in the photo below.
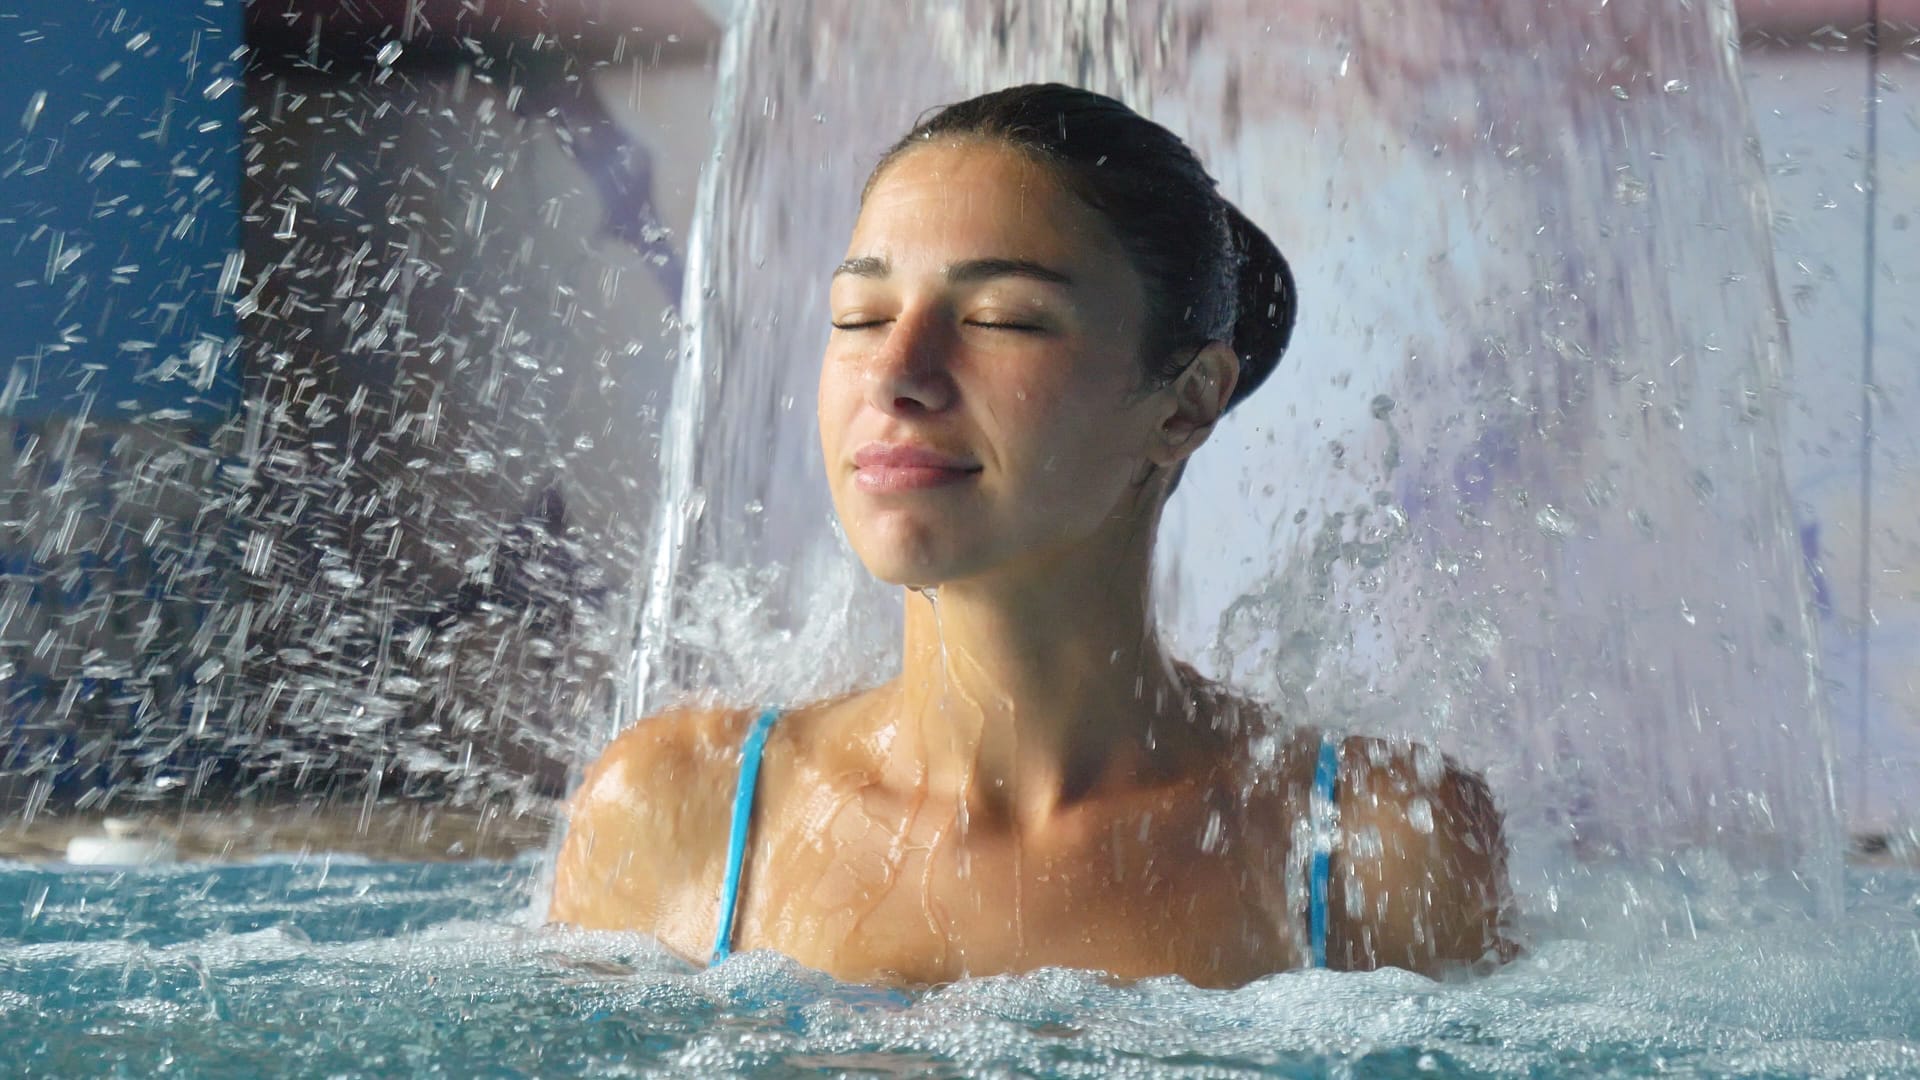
(328, 967)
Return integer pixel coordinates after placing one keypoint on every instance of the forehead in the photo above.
(976, 198)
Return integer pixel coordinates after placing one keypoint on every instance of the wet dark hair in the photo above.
(1210, 274)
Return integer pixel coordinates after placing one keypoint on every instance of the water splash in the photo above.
(1515, 492)
(206, 966)
(327, 417)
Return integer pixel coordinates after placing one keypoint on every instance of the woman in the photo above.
(1044, 311)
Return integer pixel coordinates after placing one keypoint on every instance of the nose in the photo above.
(910, 374)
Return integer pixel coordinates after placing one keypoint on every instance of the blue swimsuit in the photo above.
(1326, 777)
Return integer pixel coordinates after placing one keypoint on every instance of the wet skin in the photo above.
(1041, 784)
(869, 881)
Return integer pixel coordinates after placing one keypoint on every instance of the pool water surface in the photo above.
(324, 966)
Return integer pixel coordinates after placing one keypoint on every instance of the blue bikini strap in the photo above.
(750, 752)
(1322, 805)
(1322, 808)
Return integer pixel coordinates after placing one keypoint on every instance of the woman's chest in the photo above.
(920, 894)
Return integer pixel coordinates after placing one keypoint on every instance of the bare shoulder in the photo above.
(1420, 874)
(646, 829)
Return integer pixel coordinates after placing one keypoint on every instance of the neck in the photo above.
(1021, 692)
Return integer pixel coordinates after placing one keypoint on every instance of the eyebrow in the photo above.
(960, 273)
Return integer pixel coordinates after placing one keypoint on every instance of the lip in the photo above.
(887, 467)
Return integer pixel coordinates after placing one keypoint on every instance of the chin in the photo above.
(907, 573)
(911, 565)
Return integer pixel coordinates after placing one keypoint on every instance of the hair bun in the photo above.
(1263, 323)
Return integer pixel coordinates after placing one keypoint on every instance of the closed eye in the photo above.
(1017, 327)
(860, 324)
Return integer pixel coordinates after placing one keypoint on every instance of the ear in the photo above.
(1196, 399)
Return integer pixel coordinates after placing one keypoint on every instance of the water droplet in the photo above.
(1629, 190)
(35, 104)
(1429, 765)
(1366, 843)
(1213, 834)
(1553, 523)
(230, 272)
(1420, 815)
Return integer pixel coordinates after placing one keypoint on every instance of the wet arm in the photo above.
(1420, 877)
(641, 833)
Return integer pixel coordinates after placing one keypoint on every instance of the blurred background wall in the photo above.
(1836, 108)
(120, 360)
(341, 335)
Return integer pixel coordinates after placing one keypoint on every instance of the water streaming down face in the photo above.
(1514, 492)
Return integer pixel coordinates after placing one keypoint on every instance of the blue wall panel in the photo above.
(119, 208)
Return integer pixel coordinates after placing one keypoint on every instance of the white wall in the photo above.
(1853, 433)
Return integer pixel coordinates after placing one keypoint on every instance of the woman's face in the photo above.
(981, 400)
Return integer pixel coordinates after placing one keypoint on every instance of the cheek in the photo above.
(834, 402)
(1073, 433)
(1041, 394)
